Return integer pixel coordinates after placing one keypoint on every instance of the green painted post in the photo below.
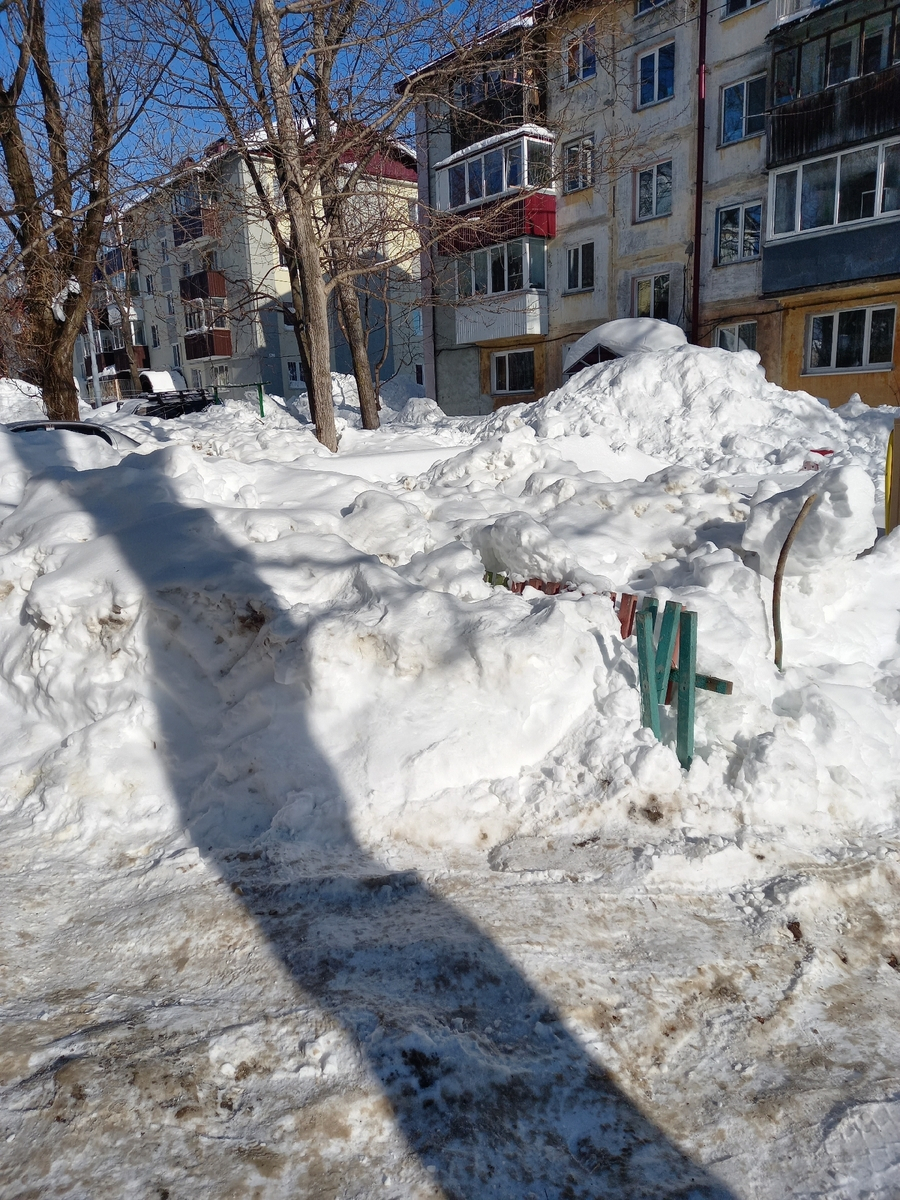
(666, 647)
(216, 399)
(259, 390)
(651, 605)
(687, 671)
(647, 671)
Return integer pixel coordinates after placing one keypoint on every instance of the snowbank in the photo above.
(234, 633)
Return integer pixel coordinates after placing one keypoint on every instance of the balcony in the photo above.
(499, 221)
(503, 165)
(202, 286)
(495, 318)
(119, 359)
(196, 224)
(208, 343)
(860, 110)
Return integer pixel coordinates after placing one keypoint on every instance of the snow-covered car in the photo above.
(114, 437)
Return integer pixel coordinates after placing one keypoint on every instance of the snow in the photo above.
(331, 869)
(628, 335)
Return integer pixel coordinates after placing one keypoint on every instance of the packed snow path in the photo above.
(333, 871)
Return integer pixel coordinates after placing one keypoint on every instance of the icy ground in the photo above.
(330, 870)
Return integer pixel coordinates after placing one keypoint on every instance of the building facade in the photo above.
(196, 267)
(682, 134)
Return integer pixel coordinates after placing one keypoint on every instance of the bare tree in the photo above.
(67, 104)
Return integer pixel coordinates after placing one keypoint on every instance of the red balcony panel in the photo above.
(201, 223)
(540, 215)
(211, 343)
(118, 359)
(202, 285)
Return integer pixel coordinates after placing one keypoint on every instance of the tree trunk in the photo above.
(348, 298)
(300, 201)
(60, 392)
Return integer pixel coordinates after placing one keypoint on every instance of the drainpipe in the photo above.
(698, 182)
(95, 375)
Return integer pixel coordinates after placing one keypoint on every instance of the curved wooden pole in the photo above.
(779, 574)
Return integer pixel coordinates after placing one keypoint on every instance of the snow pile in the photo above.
(19, 402)
(233, 633)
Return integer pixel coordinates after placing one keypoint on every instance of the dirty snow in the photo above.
(332, 870)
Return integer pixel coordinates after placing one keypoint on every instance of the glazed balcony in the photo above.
(533, 215)
(203, 285)
(196, 225)
(208, 343)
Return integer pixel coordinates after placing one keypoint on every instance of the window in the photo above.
(503, 268)
(513, 371)
(176, 355)
(737, 337)
(186, 268)
(499, 170)
(858, 49)
(170, 304)
(855, 186)
(651, 297)
(578, 165)
(148, 283)
(420, 374)
(857, 339)
(656, 75)
(164, 251)
(220, 375)
(580, 274)
(295, 374)
(154, 336)
(196, 378)
(646, 5)
(736, 6)
(744, 109)
(581, 56)
(738, 233)
(653, 191)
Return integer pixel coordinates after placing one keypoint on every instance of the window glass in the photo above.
(842, 55)
(752, 223)
(661, 297)
(729, 234)
(498, 270)
(500, 373)
(820, 339)
(480, 271)
(475, 181)
(588, 54)
(666, 71)
(457, 185)
(645, 193)
(514, 266)
(817, 194)
(643, 298)
(574, 268)
(493, 172)
(876, 38)
(514, 165)
(663, 189)
(726, 337)
(859, 173)
(648, 79)
(786, 75)
(733, 113)
(747, 335)
(756, 106)
(881, 338)
(812, 67)
(537, 269)
(521, 371)
(890, 198)
(538, 163)
(587, 265)
(851, 335)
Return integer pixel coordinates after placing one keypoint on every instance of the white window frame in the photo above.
(154, 337)
(638, 279)
(654, 168)
(645, 6)
(170, 304)
(735, 330)
(504, 354)
(640, 59)
(741, 257)
(530, 248)
(584, 179)
(728, 12)
(524, 143)
(745, 84)
(196, 378)
(295, 374)
(221, 375)
(176, 355)
(774, 176)
(585, 66)
(865, 367)
(577, 256)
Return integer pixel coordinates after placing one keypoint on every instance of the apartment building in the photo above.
(681, 133)
(196, 269)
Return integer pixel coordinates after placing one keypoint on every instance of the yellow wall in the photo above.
(540, 370)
